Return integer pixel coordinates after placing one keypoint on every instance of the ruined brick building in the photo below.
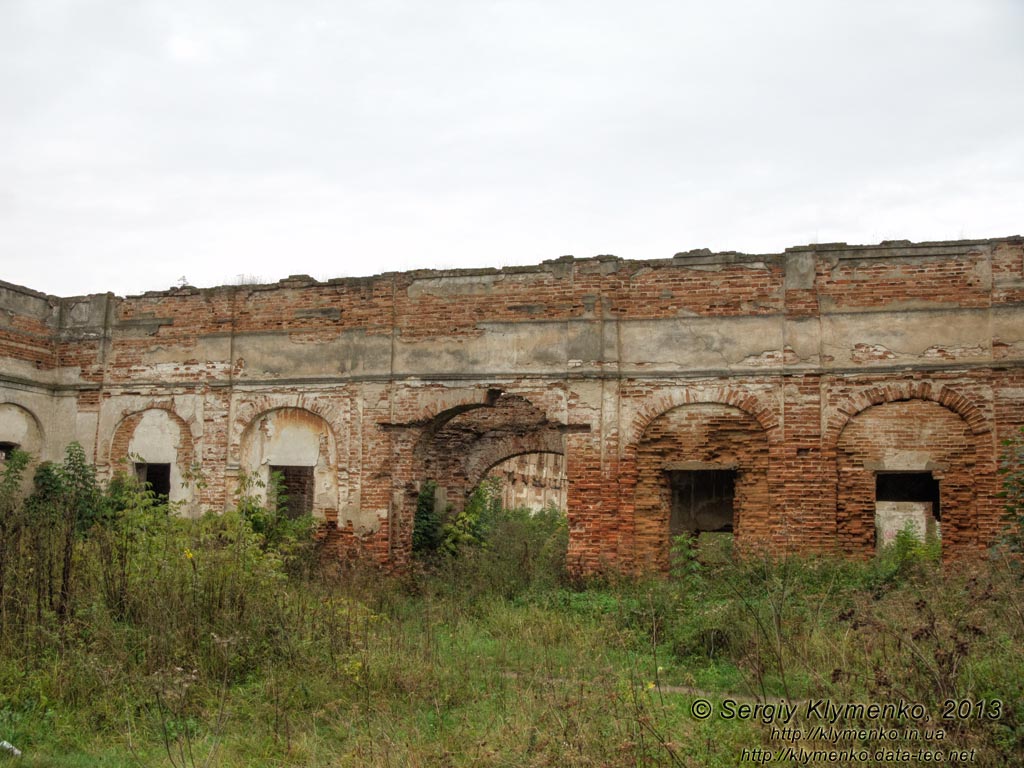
(791, 398)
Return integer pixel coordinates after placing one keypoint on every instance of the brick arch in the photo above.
(446, 405)
(496, 401)
(934, 431)
(122, 435)
(251, 409)
(896, 391)
(252, 458)
(463, 442)
(431, 420)
(434, 416)
(752, 403)
(691, 436)
(495, 452)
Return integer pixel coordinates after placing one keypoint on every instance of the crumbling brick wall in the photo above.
(807, 369)
(911, 435)
(703, 436)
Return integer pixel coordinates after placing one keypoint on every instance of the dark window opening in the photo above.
(702, 501)
(157, 477)
(297, 488)
(5, 450)
(906, 501)
(908, 486)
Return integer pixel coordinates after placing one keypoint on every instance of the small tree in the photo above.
(11, 519)
(79, 503)
(426, 526)
(473, 524)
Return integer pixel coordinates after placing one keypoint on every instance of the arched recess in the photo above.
(700, 467)
(941, 438)
(301, 446)
(755, 404)
(155, 443)
(19, 428)
(457, 449)
(491, 452)
(251, 408)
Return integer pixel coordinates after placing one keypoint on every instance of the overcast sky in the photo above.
(146, 141)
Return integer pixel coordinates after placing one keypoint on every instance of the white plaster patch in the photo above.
(18, 426)
(891, 517)
(156, 440)
(292, 446)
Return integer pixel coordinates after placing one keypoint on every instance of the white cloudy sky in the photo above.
(148, 140)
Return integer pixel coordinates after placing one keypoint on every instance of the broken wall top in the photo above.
(816, 307)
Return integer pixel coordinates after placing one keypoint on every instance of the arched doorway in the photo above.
(459, 449)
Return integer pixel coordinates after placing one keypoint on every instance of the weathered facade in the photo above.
(785, 397)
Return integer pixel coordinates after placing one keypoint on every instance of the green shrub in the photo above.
(427, 523)
(907, 555)
(488, 550)
(289, 537)
(472, 526)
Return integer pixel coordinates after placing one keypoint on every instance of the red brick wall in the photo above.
(710, 433)
(912, 435)
(805, 415)
(959, 282)
(28, 324)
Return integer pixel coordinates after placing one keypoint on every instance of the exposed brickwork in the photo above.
(701, 436)
(961, 282)
(458, 450)
(19, 344)
(914, 435)
(119, 443)
(807, 371)
(667, 290)
(28, 321)
(531, 481)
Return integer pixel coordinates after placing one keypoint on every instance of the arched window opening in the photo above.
(702, 474)
(291, 453)
(908, 463)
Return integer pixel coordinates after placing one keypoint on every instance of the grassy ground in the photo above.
(450, 670)
(212, 642)
(556, 679)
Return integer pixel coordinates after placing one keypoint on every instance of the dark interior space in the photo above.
(702, 501)
(298, 488)
(156, 476)
(908, 486)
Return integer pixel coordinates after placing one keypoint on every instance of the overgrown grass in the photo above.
(219, 642)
